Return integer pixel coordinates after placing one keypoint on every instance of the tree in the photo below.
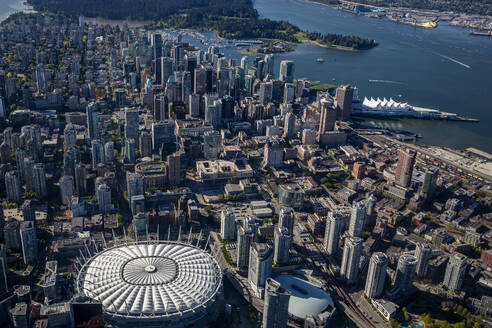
(394, 324)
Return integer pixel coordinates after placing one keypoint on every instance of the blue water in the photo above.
(412, 62)
(8, 7)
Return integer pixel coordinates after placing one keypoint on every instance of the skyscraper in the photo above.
(167, 69)
(156, 40)
(131, 124)
(428, 186)
(39, 180)
(12, 187)
(260, 266)
(103, 195)
(289, 126)
(352, 250)
(174, 169)
(92, 121)
(109, 151)
(200, 83)
(28, 212)
(455, 271)
(69, 136)
(282, 240)
(404, 168)
(3, 270)
(332, 232)
(287, 71)
(130, 150)
(245, 237)
(357, 220)
(328, 117)
(97, 153)
(29, 243)
(276, 305)
(66, 189)
(376, 275)
(227, 225)
(134, 185)
(212, 144)
(80, 179)
(405, 272)
(344, 97)
(423, 253)
(286, 219)
(145, 144)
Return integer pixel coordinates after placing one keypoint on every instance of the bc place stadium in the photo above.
(151, 283)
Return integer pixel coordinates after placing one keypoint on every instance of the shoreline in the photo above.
(434, 17)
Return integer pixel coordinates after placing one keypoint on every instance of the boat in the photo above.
(320, 60)
(489, 34)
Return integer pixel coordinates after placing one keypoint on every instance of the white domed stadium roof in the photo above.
(155, 280)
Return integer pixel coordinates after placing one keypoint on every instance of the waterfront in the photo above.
(8, 7)
(412, 62)
(443, 68)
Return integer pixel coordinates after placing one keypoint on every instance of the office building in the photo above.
(28, 212)
(97, 152)
(156, 41)
(438, 237)
(276, 305)
(404, 168)
(455, 271)
(19, 315)
(286, 71)
(273, 154)
(286, 219)
(80, 179)
(103, 195)
(134, 185)
(66, 189)
(423, 252)
(131, 124)
(245, 237)
(145, 144)
(194, 105)
(109, 151)
(227, 225)
(212, 144)
(344, 97)
(69, 136)
(39, 180)
(282, 240)
(349, 270)
(260, 266)
(12, 187)
(167, 70)
(328, 117)
(92, 121)
(376, 275)
(332, 232)
(428, 187)
(405, 272)
(130, 151)
(289, 126)
(4, 286)
(29, 242)
(289, 93)
(357, 220)
(174, 169)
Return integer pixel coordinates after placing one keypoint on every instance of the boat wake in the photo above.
(386, 81)
(453, 60)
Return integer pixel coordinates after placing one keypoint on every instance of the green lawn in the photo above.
(301, 36)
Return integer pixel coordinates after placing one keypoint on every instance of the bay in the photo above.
(443, 68)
